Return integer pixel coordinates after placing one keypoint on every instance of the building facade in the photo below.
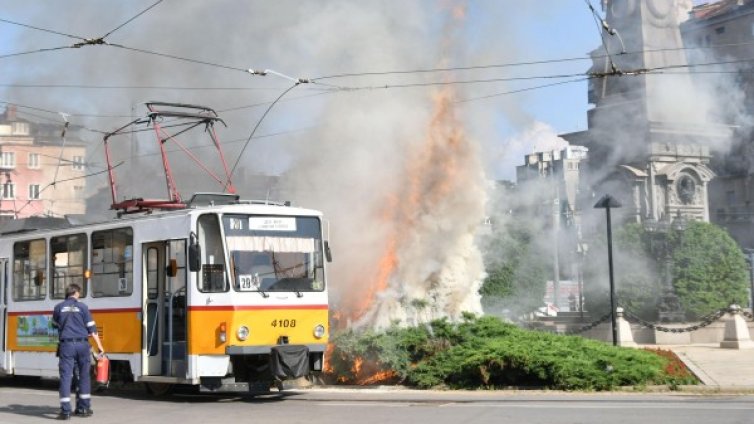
(559, 172)
(722, 32)
(40, 174)
(648, 143)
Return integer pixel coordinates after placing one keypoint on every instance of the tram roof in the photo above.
(32, 224)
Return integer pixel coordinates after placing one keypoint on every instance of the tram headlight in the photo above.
(319, 331)
(242, 333)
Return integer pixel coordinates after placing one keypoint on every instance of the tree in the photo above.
(709, 269)
(517, 270)
(637, 280)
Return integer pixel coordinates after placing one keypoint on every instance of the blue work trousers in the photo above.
(75, 354)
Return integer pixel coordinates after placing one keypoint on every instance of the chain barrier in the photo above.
(589, 326)
(705, 321)
(582, 329)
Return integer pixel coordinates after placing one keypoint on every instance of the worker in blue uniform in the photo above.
(75, 325)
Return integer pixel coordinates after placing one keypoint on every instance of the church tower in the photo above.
(648, 137)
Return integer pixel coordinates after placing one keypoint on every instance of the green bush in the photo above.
(487, 353)
(709, 268)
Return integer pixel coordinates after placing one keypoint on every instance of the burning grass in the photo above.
(487, 353)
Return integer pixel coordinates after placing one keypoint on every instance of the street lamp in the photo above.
(750, 261)
(606, 202)
(581, 250)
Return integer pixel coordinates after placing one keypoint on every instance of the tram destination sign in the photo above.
(270, 223)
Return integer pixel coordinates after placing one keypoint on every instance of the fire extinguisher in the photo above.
(103, 371)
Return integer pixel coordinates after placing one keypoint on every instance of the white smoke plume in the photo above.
(394, 170)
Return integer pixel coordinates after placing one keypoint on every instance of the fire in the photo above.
(433, 176)
(428, 267)
(382, 377)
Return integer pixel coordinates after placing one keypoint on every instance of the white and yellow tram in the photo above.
(223, 295)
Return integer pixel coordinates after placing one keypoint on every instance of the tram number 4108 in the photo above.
(284, 323)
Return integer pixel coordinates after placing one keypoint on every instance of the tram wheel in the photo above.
(159, 389)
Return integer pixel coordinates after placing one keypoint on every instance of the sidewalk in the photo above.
(717, 367)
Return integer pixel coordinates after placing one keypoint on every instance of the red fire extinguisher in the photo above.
(103, 371)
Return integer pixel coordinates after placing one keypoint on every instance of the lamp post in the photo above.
(581, 250)
(606, 202)
(750, 261)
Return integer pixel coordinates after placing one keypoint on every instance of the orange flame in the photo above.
(432, 176)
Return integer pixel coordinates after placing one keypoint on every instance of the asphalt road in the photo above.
(36, 401)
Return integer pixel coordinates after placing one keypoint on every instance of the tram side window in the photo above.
(112, 262)
(29, 279)
(212, 276)
(67, 263)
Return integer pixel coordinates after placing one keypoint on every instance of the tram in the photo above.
(217, 293)
(226, 296)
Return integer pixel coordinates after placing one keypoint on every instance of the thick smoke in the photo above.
(353, 154)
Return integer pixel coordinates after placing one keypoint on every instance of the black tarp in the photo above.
(289, 361)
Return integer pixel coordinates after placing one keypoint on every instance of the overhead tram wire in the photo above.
(460, 82)
(83, 40)
(602, 24)
(254, 130)
(471, 99)
(316, 80)
(54, 183)
(137, 87)
(174, 57)
(49, 49)
(7, 21)
(134, 17)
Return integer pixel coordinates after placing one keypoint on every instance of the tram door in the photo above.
(3, 313)
(165, 302)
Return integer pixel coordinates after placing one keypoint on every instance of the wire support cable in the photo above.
(132, 18)
(254, 130)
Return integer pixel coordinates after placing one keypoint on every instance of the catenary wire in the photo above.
(471, 99)
(600, 23)
(134, 17)
(49, 49)
(137, 87)
(259, 122)
(8, 21)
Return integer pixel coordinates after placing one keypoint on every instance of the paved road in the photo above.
(35, 402)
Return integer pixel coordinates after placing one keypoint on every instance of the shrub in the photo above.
(487, 353)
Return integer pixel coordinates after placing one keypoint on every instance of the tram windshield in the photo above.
(274, 253)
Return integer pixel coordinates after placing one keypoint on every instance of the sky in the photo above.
(310, 39)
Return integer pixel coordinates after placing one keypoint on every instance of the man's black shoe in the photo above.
(64, 416)
(84, 413)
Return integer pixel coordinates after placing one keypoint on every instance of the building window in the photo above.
(33, 191)
(8, 160)
(720, 30)
(33, 162)
(20, 128)
(9, 191)
(78, 163)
